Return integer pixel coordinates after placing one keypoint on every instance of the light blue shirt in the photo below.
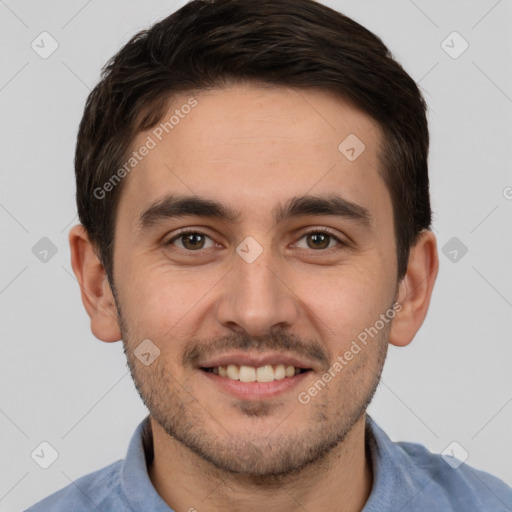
(406, 478)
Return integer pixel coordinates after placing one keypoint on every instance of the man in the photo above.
(252, 186)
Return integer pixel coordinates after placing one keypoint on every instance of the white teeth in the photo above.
(279, 372)
(247, 374)
(232, 372)
(266, 373)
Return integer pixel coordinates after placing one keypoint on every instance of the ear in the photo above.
(415, 290)
(97, 295)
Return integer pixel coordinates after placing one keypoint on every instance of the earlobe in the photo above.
(415, 290)
(97, 295)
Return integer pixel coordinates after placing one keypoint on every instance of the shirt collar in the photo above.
(396, 479)
(135, 480)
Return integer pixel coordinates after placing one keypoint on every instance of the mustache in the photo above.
(274, 342)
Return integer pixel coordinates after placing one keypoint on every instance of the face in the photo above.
(274, 254)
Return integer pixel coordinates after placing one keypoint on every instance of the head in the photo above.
(284, 138)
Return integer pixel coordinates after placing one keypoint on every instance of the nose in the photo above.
(257, 297)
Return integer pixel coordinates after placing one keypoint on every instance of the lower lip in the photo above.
(255, 390)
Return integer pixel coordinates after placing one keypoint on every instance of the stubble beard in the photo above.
(263, 460)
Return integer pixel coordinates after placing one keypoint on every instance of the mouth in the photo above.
(261, 374)
(255, 378)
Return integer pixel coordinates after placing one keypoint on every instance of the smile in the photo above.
(266, 373)
(233, 386)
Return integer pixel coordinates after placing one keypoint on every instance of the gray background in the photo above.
(61, 385)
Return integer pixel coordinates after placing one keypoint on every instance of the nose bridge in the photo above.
(255, 297)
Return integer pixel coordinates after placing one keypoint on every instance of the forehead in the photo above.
(253, 147)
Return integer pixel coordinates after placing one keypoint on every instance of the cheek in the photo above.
(346, 302)
(160, 301)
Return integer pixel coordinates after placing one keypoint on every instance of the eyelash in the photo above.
(323, 231)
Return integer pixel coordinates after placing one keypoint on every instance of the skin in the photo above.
(253, 148)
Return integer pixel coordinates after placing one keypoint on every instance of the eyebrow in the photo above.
(175, 206)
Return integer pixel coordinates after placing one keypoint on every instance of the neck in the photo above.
(341, 482)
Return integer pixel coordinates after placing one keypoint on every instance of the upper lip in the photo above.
(255, 359)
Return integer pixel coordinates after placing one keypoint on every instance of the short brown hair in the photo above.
(292, 43)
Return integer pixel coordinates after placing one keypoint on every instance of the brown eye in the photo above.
(191, 241)
(319, 240)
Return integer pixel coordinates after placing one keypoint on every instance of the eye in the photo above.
(191, 240)
(320, 239)
(314, 239)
